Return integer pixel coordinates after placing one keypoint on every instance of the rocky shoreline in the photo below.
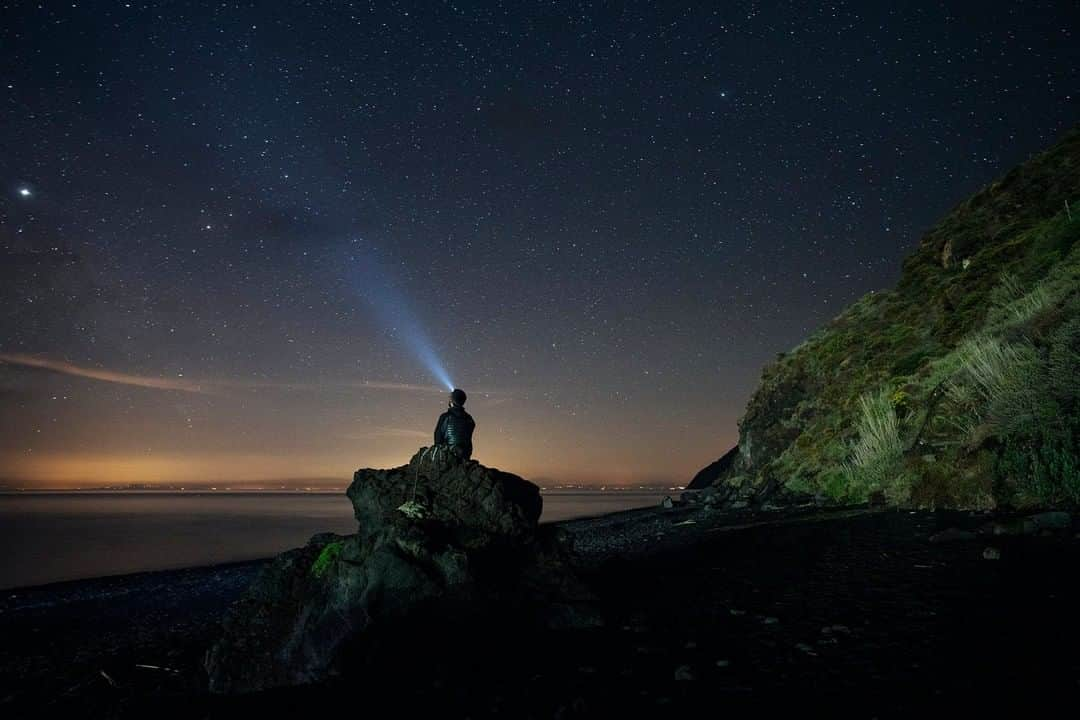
(873, 612)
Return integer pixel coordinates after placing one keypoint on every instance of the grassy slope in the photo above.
(892, 396)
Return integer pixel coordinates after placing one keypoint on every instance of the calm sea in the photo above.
(47, 537)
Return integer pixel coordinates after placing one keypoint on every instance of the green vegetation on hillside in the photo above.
(957, 388)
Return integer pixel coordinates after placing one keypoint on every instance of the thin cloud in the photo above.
(204, 387)
(112, 376)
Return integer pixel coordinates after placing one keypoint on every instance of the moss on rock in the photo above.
(327, 557)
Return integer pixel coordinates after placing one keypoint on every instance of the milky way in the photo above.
(604, 219)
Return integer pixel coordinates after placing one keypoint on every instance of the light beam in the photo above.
(379, 288)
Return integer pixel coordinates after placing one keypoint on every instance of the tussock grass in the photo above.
(988, 368)
(996, 387)
(879, 429)
(875, 455)
(1028, 306)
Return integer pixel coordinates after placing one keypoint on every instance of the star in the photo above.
(647, 200)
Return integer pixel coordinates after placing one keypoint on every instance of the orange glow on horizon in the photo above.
(75, 471)
(87, 470)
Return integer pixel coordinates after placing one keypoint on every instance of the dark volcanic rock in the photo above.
(1033, 524)
(708, 475)
(952, 535)
(476, 504)
(441, 542)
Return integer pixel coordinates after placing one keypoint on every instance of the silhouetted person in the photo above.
(455, 426)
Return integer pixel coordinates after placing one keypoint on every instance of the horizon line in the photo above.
(297, 489)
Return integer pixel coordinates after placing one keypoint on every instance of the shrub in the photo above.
(911, 362)
(1063, 370)
(1043, 469)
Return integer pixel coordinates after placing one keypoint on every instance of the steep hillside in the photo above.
(957, 388)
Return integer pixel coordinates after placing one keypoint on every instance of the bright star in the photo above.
(25, 192)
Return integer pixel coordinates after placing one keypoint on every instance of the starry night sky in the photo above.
(228, 230)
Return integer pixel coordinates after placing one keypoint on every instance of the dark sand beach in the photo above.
(850, 612)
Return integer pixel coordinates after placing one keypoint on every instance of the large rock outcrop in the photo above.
(440, 540)
(476, 505)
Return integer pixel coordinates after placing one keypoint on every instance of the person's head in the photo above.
(457, 397)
